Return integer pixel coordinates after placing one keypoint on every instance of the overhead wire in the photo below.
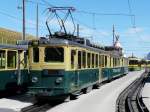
(92, 13)
(46, 3)
(8, 15)
(104, 14)
(4, 13)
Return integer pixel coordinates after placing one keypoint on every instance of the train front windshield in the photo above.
(133, 62)
(54, 54)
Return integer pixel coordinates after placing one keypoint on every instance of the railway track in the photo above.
(37, 108)
(130, 99)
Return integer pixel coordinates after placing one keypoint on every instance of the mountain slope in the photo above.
(9, 37)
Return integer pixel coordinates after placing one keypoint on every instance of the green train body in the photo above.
(70, 83)
(9, 79)
(80, 67)
(66, 82)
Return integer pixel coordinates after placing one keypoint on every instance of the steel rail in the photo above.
(130, 99)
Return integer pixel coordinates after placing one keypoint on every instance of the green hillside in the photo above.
(9, 37)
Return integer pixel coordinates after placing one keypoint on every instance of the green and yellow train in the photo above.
(13, 71)
(135, 64)
(60, 67)
(148, 63)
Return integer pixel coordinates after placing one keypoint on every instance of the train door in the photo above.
(100, 69)
(74, 66)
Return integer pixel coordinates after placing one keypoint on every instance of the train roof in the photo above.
(134, 58)
(17, 47)
(66, 42)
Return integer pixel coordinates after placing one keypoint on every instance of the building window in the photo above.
(36, 54)
(54, 54)
(84, 59)
(79, 59)
(2, 59)
(11, 59)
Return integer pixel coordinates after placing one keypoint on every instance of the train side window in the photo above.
(11, 59)
(93, 60)
(2, 59)
(119, 61)
(84, 59)
(96, 60)
(79, 59)
(110, 62)
(36, 54)
(25, 58)
(89, 60)
(105, 61)
(100, 60)
(73, 53)
(123, 62)
(113, 62)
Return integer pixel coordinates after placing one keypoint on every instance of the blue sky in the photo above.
(133, 40)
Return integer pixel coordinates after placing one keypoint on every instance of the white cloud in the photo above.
(145, 38)
(132, 31)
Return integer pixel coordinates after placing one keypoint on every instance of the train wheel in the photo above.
(96, 86)
(68, 98)
(87, 90)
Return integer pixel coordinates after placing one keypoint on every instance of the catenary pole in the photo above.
(23, 23)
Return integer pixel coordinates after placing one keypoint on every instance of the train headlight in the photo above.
(59, 80)
(34, 79)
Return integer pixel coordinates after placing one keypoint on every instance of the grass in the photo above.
(10, 37)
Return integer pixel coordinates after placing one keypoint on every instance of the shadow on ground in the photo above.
(6, 110)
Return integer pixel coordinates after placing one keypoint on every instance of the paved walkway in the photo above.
(146, 93)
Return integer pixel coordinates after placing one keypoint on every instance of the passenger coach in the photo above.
(134, 64)
(13, 68)
(61, 67)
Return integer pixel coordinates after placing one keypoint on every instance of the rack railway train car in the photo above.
(143, 63)
(62, 66)
(65, 65)
(148, 63)
(13, 71)
(134, 64)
